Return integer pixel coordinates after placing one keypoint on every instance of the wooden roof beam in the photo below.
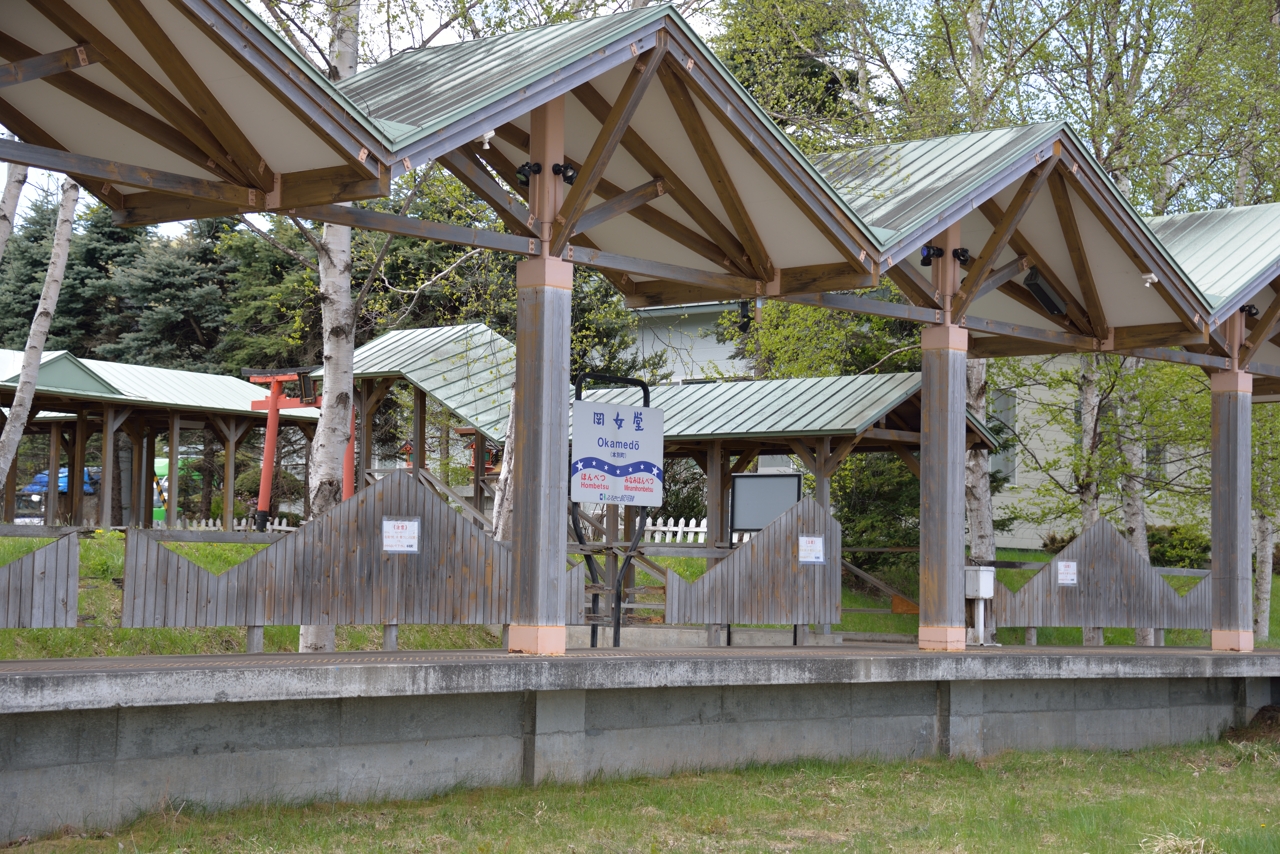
(1075, 247)
(47, 64)
(1001, 233)
(219, 122)
(658, 292)
(619, 205)
(1001, 276)
(118, 110)
(467, 168)
(614, 125)
(696, 130)
(1262, 331)
(123, 66)
(915, 287)
(736, 286)
(29, 131)
(634, 145)
(1019, 243)
(1173, 334)
(131, 176)
(841, 276)
(998, 346)
(408, 226)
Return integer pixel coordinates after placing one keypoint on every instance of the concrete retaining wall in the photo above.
(97, 767)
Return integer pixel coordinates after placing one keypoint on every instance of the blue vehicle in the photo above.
(39, 484)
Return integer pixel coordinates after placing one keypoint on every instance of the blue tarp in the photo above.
(39, 484)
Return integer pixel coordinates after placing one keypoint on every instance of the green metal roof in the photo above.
(900, 188)
(1230, 253)
(139, 385)
(817, 406)
(469, 370)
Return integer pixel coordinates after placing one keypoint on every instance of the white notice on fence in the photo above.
(617, 454)
(1067, 572)
(400, 536)
(811, 550)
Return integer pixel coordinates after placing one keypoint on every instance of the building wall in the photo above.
(687, 335)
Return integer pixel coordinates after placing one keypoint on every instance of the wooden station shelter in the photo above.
(76, 398)
(623, 145)
(725, 427)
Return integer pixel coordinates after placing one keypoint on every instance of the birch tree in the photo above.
(19, 411)
(16, 180)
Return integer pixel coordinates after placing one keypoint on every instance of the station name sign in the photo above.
(617, 454)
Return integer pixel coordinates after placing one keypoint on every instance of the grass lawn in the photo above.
(1219, 797)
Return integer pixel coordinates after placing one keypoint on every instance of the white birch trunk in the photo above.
(333, 431)
(23, 395)
(503, 496)
(1133, 447)
(1264, 546)
(977, 471)
(1089, 406)
(9, 202)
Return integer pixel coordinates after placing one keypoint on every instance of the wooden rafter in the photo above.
(1075, 247)
(736, 285)
(1024, 297)
(1019, 243)
(650, 216)
(47, 64)
(408, 226)
(197, 94)
(634, 145)
(908, 458)
(1261, 332)
(619, 205)
(867, 305)
(1031, 333)
(915, 287)
(1002, 275)
(656, 292)
(615, 124)
(841, 276)
(29, 131)
(123, 66)
(117, 109)
(1001, 234)
(466, 168)
(1173, 334)
(997, 346)
(131, 176)
(713, 164)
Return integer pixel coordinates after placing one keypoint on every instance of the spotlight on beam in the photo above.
(928, 253)
(1043, 294)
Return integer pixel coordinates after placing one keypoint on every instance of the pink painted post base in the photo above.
(536, 640)
(1232, 641)
(942, 638)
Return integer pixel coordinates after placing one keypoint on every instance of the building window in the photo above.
(1002, 409)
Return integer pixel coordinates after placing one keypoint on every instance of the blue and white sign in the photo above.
(617, 454)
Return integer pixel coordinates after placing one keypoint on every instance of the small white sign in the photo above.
(811, 550)
(1067, 572)
(400, 536)
(617, 454)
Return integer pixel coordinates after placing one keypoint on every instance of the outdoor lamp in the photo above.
(961, 255)
(1047, 299)
(1249, 310)
(565, 171)
(525, 170)
(928, 253)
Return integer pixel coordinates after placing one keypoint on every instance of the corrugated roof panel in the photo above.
(896, 188)
(1224, 251)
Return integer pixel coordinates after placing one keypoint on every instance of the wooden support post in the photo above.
(55, 465)
(544, 287)
(715, 496)
(229, 443)
(419, 428)
(175, 444)
(366, 432)
(942, 460)
(253, 640)
(390, 638)
(1231, 550)
(149, 478)
(136, 475)
(822, 477)
(107, 482)
(75, 469)
(477, 494)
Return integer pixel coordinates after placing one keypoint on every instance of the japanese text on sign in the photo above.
(617, 454)
(811, 550)
(400, 536)
(1067, 572)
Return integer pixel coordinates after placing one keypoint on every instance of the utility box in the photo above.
(979, 582)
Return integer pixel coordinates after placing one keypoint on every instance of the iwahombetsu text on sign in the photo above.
(617, 454)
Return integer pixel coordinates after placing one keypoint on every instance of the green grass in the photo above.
(12, 548)
(1215, 797)
(216, 557)
(900, 624)
(1024, 555)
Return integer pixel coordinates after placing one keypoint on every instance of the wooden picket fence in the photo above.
(246, 524)
(672, 530)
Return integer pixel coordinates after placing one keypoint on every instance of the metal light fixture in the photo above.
(525, 170)
(1044, 295)
(565, 171)
(928, 253)
(1249, 310)
(961, 255)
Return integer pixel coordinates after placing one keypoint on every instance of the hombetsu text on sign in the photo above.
(617, 454)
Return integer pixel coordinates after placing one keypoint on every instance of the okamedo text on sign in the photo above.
(617, 454)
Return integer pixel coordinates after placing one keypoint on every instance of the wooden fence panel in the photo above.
(331, 571)
(1116, 587)
(763, 581)
(41, 589)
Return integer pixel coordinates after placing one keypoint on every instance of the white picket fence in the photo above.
(276, 524)
(682, 531)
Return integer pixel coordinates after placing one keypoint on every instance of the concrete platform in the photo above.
(93, 742)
